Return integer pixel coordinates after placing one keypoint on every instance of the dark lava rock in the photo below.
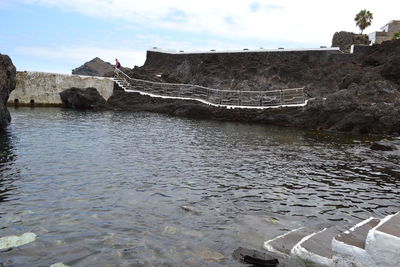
(95, 67)
(391, 69)
(88, 98)
(384, 145)
(254, 257)
(344, 40)
(347, 93)
(7, 84)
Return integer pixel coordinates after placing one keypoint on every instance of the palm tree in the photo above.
(363, 19)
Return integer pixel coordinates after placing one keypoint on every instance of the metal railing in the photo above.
(217, 97)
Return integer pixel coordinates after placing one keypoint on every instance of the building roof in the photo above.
(390, 22)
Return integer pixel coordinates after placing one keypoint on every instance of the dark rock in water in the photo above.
(255, 258)
(95, 67)
(344, 40)
(7, 84)
(88, 98)
(384, 145)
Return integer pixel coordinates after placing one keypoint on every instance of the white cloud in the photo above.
(77, 55)
(220, 25)
(308, 21)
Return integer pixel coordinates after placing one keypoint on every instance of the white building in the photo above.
(386, 32)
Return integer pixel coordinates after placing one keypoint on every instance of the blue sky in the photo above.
(59, 35)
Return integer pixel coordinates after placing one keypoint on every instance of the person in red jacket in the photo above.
(117, 64)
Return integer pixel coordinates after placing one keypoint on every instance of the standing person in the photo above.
(117, 64)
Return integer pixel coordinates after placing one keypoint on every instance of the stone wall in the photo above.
(41, 88)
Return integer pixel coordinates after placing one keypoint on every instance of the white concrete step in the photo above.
(383, 241)
(316, 248)
(284, 244)
(349, 246)
(370, 243)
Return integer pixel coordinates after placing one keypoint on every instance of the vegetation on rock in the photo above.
(363, 19)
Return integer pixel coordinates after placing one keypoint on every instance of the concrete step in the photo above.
(316, 248)
(349, 246)
(383, 241)
(391, 225)
(284, 244)
(370, 243)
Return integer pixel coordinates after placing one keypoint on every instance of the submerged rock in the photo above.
(384, 145)
(59, 264)
(7, 84)
(16, 241)
(169, 230)
(88, 98)
(254, 257)
(190, 209)
(209, 255)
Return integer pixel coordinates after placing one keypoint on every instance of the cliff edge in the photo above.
(7, 84)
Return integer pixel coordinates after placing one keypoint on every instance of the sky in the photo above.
(60, 35)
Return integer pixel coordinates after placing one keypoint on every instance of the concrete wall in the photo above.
(45, 88)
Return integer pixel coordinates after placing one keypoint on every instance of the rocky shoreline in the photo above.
(357, 93)
(7, 84)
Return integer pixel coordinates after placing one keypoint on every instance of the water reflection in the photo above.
(7, 170)
(141, 188)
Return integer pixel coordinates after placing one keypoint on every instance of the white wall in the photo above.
(45, 88)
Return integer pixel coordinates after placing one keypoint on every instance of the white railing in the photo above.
(215, 97)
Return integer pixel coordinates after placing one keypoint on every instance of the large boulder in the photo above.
(88, 98)
(95, 67)
(7, 84)
(344, 40)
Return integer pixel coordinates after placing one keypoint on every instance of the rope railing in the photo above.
(217, 97)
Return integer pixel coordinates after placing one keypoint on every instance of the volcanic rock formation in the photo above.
(88, 98)
(357, 93)
(95, 67)
(344, 40)
(7, 84)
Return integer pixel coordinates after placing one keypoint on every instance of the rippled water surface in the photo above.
(134, 189)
